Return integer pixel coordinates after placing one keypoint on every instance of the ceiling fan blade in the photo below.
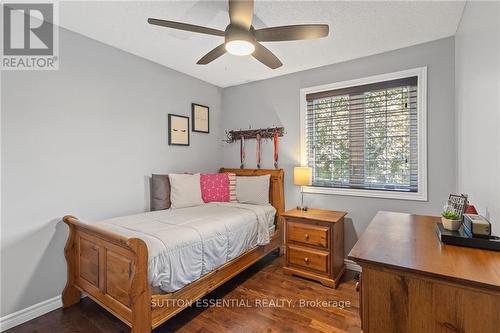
(266, 57)
(185, 26)
(241, 13)
(292, 32)
(212, 55)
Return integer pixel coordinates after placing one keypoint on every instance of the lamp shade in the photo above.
(302, 176)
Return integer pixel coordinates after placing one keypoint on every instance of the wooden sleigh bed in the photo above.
(112, 269)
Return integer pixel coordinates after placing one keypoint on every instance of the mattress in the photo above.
(186, 243)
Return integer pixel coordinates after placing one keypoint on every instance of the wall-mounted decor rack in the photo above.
(265, 133)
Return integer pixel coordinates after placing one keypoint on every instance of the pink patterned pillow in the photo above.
(214, 187)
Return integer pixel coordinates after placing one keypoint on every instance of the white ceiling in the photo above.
(357, 29)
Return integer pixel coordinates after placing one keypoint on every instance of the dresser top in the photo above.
(409, 242)
(321, 215)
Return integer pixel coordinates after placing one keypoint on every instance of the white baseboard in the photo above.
(29, 313)
(351, 265)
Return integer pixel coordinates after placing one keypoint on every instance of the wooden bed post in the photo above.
(140, 294)
(70, 295)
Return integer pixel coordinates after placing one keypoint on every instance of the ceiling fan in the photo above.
(240, 37)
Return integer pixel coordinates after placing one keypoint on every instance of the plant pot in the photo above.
(451, 224)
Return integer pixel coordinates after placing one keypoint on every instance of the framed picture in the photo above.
(457, 203)
(178, 130)
(201, 119)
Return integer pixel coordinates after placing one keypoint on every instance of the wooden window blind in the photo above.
(364, 137)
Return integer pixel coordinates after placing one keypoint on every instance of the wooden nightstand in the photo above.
(314, 244)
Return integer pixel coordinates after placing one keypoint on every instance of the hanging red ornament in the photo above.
(258, 146)
(242, 152)
(275, 139)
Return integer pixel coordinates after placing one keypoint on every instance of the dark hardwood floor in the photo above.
(261, 283)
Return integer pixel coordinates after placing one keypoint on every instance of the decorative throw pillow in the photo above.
(160, 192)
(232, 186)
(253, 189)
(214, 187)
(185, 190)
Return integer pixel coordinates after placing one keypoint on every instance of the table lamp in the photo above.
(302, 176)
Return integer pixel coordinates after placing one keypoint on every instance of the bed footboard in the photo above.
(110, 269)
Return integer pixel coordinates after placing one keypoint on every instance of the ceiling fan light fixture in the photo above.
(240, 47)
(242, 39)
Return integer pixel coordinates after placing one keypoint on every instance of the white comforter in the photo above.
(187, 243)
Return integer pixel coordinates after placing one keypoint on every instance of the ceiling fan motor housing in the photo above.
(234, 32)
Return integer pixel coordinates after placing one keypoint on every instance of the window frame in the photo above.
(421, 194)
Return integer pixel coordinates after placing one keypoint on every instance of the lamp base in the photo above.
(303, 208)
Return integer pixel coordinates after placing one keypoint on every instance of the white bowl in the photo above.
(451, 224)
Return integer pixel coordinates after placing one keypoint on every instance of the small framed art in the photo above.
(200, 115)
(178, 130)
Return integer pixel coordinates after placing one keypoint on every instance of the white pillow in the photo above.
(253, 189)
(185, 190)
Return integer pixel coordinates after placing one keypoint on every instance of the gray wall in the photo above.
(276, 102)
(82, 140)
(477, 50)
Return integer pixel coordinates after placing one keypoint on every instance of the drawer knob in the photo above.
(306, 259)
(307, 236)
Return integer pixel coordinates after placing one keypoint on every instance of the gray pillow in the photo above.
(253, 189)
(160, 192)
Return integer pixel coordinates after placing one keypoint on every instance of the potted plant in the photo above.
(451, 220)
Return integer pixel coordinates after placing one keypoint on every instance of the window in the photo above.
(367, 137)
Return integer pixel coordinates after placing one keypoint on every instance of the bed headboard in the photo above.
(276, 186)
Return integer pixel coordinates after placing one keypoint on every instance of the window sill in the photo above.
(414, 196)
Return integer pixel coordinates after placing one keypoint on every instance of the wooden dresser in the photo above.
(314, 242)
(411, 282)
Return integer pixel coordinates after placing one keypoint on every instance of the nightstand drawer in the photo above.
(309, 258)
(309, 234)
